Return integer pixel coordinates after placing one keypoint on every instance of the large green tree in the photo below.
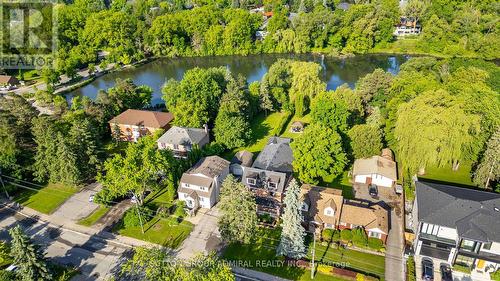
(292, 232)
(488, 169)
(318, 154)
(238, 218)
(366, 140)
(328, 110)
(27, 257)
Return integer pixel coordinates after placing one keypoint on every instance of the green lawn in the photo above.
(166, 232)
(306, 119)
(47, 199)
(262, 128)
(447, 175)
(264, 249)
(95, 216)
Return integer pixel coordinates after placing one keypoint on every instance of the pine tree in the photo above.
(27, 257)
(238, 219)
(292, 234)
(66, 170)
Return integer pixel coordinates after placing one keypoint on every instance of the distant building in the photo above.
(407, 26)
(377, 170)
(133, 124)
(8, 82)
(200, 186)
(182, 140)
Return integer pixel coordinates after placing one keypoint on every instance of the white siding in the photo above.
(360, 178)
(448, 233)
(379, 180)
(495, 248)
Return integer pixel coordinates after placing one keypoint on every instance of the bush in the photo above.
(179, 209)
(495, 275)
(7, 275)
(359, 238)
(345, 235)
(131, 218)
(324, 268)
(375, 244)
(410, 269)
(360, 277)
(327, 234)
(336, 236)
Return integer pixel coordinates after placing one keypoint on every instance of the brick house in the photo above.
(133, 124)
(373, 218)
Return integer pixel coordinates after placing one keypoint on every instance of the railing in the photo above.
(438, 239)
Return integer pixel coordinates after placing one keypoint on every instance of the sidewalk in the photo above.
(63, 223)
(255, 275)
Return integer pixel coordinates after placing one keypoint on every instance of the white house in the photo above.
(378, 170)
(200, 186)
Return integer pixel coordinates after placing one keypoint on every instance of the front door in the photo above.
(189, 203)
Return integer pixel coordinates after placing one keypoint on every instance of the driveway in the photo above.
(394, 262)
(78, 205)
(205, 236)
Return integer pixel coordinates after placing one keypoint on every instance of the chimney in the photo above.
(387, 153)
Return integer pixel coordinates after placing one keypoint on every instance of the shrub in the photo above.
(7, 275)
(359, 238)
(132, 219)
(495, 275)
(360, 277)
(346, 235)
(179, 209)
(336, 236)
(410, 269)
(375, 244)
(324, 268)
(327, 234)
(265, 218)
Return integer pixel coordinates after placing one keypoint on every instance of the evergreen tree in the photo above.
(238, 218)
(292, 233)
(489, 168)
(65, 169)
(84, 138)
(27, 257)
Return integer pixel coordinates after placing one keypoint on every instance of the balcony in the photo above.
(438, 239)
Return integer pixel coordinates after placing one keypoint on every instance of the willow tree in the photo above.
(434, 129)
(489, 168)
(306, 83)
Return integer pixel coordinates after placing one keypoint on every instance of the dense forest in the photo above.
(130, 31)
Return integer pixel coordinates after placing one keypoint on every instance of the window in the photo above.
(487, 246)
(176, 146)
(430, 228)
(202, 188)
(328, 225)
(251, 181)
(273, 185)
(329, 212)
(186, 185)
(374, 234)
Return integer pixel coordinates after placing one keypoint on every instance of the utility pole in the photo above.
(313, 253)
(3, 185)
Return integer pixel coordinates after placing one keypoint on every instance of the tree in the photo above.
(27, 257)
(488, 169)
(125, 95)
(373, 87)
(434, 129)
(292, 233)
(232, 128)
(238, 218)
(318, 154)
(150, 263)
(328, 110)
(415, 9)
(366, 140)
(305, 84)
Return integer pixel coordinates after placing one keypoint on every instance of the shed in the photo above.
(297, 127)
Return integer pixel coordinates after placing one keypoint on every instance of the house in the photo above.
(377, 170)
(269, 175)
(457, 226)
(200, 186)
(373, 218)
(8, 82)
(241, 160)
(407, 26)
(133, 124)
(321, 206)
(276, 156)
(181, 140)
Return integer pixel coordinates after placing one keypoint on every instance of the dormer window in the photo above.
(304, 206)
(273, 185)
(329, 212)
(251, 181)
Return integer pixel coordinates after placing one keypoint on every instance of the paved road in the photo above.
(394, 262)
(96, 258)
(205, 236)
(78, 205)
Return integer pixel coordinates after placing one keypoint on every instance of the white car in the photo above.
(12, 268)
(91, 197)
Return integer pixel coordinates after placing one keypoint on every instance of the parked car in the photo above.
(373, 190)
(427, 270)
(12, 268)
(91, 197)
(446, 272)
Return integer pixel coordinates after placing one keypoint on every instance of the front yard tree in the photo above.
(318, 154)
(366, 140)
(489, 168)
(238, 218)
(27, 257)
(292, 233)
(434, 129)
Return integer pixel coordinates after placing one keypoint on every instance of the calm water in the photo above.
(335, 71)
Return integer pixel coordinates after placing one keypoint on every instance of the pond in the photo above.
(336, 71)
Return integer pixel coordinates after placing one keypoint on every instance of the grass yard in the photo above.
(94, 217)
(47, 199)
(165, 232)
(340, 182)
(306, 119)
(261, 255)
(446, 175)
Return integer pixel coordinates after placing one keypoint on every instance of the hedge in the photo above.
(375, 244)
(346, 235)
(410, 269)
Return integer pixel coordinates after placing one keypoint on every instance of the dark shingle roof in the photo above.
(276, 156)
(475, 214)
(183, 136)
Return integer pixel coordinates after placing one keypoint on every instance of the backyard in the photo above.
(264, 249)
(45, 199)
(446, 175)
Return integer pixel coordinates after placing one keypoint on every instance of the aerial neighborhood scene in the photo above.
(273, 140)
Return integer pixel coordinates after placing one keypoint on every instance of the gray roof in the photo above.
(475, 214)
(262, 177)
(184, 136)
(243, 158)
(276, 156)
(210, 166)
